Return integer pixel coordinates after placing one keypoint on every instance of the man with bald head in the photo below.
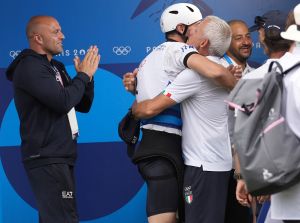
(241, 46)
(46, 99)
(239, 51)
(44, 34)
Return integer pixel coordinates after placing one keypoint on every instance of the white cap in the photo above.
(180, 13)
(293, 32)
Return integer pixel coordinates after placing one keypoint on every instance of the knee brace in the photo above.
(157, 169)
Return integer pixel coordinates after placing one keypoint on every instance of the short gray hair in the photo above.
(218, 32)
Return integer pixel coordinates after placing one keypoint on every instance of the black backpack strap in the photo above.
(278, 65)
(291, 68)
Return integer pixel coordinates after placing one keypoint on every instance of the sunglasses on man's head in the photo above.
(260, 21)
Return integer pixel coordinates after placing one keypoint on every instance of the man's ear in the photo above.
(38, 39)
(180, 28)
(204, 43)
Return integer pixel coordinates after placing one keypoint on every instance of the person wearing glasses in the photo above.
(269, 26)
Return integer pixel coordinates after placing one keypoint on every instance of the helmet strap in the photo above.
(182, 35)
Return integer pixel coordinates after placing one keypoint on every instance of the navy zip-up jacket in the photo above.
(42, 104)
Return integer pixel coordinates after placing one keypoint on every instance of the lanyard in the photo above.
(71, 114)
(227, 58)
(57, 75)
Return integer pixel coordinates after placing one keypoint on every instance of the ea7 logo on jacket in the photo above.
(67, 194)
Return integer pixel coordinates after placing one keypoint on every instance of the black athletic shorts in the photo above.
(205, 194)
(54, 189)
(160, 176)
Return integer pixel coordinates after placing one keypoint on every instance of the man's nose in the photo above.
(247, 41)
(62, 36)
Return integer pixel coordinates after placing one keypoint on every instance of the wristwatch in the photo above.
(237, 176)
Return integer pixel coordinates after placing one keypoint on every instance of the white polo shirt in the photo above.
(156, 71)
(205, 138)
(160, 67)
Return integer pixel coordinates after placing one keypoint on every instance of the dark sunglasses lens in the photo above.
(259, 21)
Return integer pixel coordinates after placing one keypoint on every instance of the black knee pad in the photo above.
(157, 169)
(162, 185)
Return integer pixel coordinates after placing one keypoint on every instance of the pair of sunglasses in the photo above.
(260, 21)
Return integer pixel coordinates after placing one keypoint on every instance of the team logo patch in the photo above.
(189, 199)
(188, 194)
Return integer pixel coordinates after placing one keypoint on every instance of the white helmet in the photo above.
(180, 13)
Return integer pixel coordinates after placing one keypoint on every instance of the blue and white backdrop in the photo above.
(109, 189)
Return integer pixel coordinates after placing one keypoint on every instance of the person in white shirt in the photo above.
(239, 51)
(240, 48)
(205, 139)
(269, 27)
(158, 155)
(285, 205)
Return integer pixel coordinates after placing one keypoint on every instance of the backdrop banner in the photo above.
(109, 188)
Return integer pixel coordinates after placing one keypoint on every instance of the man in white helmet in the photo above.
(159, 156)
(205, 138)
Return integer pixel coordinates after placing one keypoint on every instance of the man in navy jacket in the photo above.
(46, 99)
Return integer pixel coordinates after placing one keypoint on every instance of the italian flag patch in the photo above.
(167, 94)
(189, 198)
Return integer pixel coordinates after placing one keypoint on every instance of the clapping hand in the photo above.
(90, 62)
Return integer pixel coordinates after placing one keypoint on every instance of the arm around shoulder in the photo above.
(152, 107)
(212, 70)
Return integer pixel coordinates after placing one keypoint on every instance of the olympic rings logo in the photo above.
(122, 50)
(14, 53)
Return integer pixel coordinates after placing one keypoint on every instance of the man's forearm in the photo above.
(237, 166)
(226, 80)
(152, 107)
(212, 70)
(143, 110)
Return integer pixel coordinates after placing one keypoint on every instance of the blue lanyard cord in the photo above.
(226, 57)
